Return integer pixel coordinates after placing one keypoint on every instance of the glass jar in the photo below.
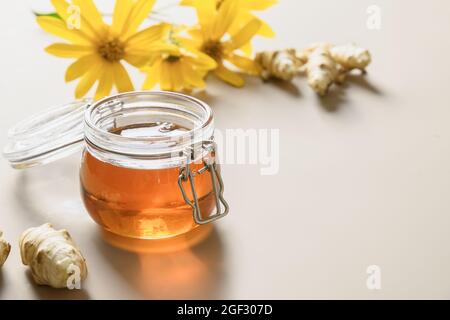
(148, 167)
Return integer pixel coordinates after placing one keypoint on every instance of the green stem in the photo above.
(153, 15)
(50, 14)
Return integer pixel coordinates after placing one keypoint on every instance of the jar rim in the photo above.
(156, 93)
(138, 107)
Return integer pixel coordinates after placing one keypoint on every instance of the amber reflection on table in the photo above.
(188, 265)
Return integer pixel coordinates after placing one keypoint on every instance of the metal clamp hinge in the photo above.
(187, 174)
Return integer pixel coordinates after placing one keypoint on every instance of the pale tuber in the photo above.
(327, 64)
(351, 57)
(280, 64)
(323, 64)
(321, 70)
(53, 257)
(5, 248)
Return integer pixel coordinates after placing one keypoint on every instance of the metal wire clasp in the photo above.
(211, 166)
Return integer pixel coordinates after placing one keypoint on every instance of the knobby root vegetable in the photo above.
(5, 248)
(280, 64)
(53, 257)
(327, 64)
(351, 57)
(321, 70)
(323, 64)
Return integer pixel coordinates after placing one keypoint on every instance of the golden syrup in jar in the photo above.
(142, 203)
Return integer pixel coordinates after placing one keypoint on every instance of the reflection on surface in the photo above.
(181, 242)
(188, 266)
(51, 193)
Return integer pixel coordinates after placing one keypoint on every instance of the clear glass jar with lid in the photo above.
(148, 168)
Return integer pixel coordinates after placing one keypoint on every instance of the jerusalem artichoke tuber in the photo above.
(281, 64)
(321, 70)
(53, 257)
(5, 248)
(350, 56)
(323, 64)
(327, 64)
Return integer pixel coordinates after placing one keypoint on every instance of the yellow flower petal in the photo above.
(258, 5)
(140, 56)
(246, 16)
(141, 9)
(80, 67)
(245, 34)
(247, 49)
(153, 59)
(90, 13)
(65, 50)
(59, 28)
(121, 78)
(183, 84)
(206, 12)
(196, 33)
(70, 13)
(191, 77)
(61, 7)
(105, 83)
(137, 60)
(87, 81)
(244, 63)
(143, 58)
(152, 79)
(148, 35)
(122, 10)
(266, 30)
(165, 78)
(201, 60)
(176, 76)
(226, 15)
(187, 3)
(155, 48)
(190, 43)
(229, 76)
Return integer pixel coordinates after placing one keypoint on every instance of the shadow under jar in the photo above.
(148, 168)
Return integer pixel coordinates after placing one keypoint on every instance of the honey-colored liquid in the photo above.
(142, 203)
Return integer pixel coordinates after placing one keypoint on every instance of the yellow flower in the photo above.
(246, 7)
(213, 37)
(100, 48)
(178, 70)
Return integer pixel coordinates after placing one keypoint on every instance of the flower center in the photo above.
(213, 49)
(112, 50)
(172, 58)
(219, 3)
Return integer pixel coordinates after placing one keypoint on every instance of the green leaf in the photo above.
(50, 14)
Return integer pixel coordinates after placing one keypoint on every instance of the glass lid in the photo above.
(50, 135)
